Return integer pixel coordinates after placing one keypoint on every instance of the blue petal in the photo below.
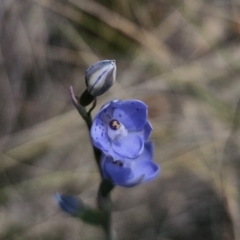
(131, 182)
(106, 112)
(99, 135)
(130, 146)
(114, 172)
(149, 169)
(133, 171)
(132, 114)
(105, 159)
(147, 154)
(147, 130)
(68, 204)
(144, 164)
(154, 173)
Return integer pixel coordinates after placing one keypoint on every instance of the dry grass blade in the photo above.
(146, 39)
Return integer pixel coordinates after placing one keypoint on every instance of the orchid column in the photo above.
(120, 138)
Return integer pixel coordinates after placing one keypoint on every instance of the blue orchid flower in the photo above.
(130, 172)
(121, 128)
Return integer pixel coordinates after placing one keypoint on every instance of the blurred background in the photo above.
(180, 57)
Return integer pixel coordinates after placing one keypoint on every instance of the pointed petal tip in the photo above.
(58, 197)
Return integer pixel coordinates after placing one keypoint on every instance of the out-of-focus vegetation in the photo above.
(181, 57)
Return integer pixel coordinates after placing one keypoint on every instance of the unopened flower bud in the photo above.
(100, 77)
(77, 208)
(69, 204)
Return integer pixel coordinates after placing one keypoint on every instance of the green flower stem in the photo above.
(105, 204)
(103, 198)
(88, 119)
(91, 216)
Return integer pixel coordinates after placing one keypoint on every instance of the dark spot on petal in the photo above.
(137, 109)
(105, 110)
(102, 134)
(96, 138)
(119, 163)
(95, 129)
(132, 103)
(120, 115)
